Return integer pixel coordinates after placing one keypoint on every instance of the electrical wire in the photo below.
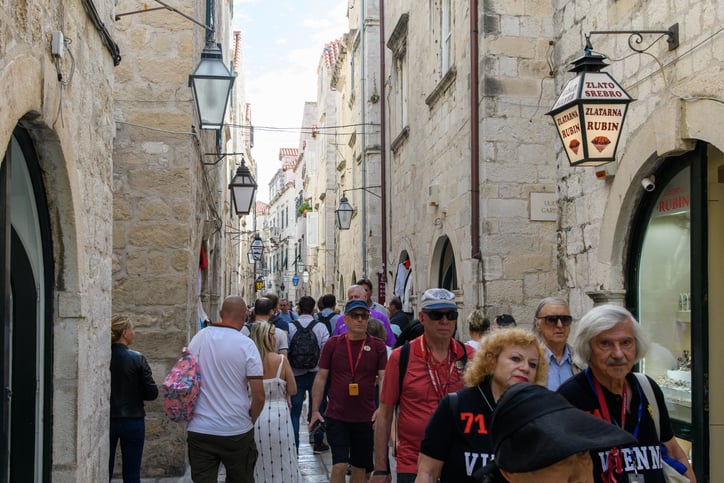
(184, 133)
(63, 81)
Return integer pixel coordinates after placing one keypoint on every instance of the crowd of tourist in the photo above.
(387, 393)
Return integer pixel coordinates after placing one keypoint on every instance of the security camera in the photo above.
(648, 183)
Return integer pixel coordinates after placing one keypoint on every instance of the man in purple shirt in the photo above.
(359, 292)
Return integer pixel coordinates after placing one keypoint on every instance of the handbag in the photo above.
(671, 474)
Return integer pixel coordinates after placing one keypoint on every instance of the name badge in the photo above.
(635, 478)
(353, 389)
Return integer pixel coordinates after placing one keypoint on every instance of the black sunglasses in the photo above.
(451, 315)
(553, 319)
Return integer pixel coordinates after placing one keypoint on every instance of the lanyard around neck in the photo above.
(598, 391)
(437, 383)
(353, 367)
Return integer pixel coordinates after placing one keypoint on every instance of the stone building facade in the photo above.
(56, 220)
(478, 195)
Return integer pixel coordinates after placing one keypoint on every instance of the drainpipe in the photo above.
(363, 107)
(474, 136)
(383, 151)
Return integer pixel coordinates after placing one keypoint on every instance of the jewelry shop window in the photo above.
(664, 294)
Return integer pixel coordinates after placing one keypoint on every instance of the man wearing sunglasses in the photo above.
(435, 364)
(553, 324)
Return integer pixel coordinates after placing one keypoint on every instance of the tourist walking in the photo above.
(610, 342)
(222, 429)
(478, 328)
(553, 324)
(131, 384)
(273, 431)
(352, 363)
(457, 438)
(434, 367)
(306, 339)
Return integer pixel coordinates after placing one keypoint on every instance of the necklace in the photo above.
(490, 406)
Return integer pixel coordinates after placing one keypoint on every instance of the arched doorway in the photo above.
(26, 307)
(447, 276)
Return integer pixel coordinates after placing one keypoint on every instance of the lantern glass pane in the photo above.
(211, 84)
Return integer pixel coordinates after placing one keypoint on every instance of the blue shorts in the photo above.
(351, 443)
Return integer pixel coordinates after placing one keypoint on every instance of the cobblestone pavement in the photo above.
(314, 468)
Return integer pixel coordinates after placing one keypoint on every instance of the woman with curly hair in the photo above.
(456, 441)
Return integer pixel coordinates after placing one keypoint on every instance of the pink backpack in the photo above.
(181, 388)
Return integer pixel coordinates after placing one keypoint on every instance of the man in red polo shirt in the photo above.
(435, 367)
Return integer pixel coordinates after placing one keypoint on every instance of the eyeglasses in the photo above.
(359, 315)
(553, 319)
(450, 315)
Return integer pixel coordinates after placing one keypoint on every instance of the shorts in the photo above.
(237, 453)
(351, 443)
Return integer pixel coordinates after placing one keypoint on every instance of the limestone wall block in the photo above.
(160, 183)
(158, 235)
(152, 209)
(505, 291)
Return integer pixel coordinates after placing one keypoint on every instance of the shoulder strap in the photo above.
(297, 324)
(649, 393)
(464, 357)
(453, 403)
(281, 364)
(404, 359)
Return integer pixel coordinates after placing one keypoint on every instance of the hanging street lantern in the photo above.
(295, 279)
(257, 247)
(344, 213)
(259, 284)
(305, 276)
(250, 257)
(243, 187)
(590, 112)
(211, 84)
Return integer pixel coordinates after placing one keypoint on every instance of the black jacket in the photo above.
(131, 383)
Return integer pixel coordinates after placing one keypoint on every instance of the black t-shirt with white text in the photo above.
(643, 458)
(461, 440)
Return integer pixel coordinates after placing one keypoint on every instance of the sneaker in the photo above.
(319, 448)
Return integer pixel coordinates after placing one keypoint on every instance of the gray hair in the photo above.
(600, 319)
(543, 303)
(355, 288)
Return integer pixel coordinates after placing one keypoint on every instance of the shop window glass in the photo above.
(665, 294)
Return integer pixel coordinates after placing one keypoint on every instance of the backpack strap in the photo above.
(649, 393)
(297, 324)
(404, 359)
(453, 403)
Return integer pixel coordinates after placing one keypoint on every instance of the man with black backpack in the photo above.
(326, 315)
(307, 336)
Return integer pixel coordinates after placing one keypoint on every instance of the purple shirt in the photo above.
(389, 340)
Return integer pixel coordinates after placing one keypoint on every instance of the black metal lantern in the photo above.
(211, 83)
(257, 248)
(344, 213)
(243, 187)
(590, 112)
(259, 284)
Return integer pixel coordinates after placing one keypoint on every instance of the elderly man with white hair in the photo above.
(609, 342)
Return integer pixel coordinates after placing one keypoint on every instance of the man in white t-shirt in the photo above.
(222, 429)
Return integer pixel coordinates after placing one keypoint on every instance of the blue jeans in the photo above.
(304, 384)
(131, 432)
